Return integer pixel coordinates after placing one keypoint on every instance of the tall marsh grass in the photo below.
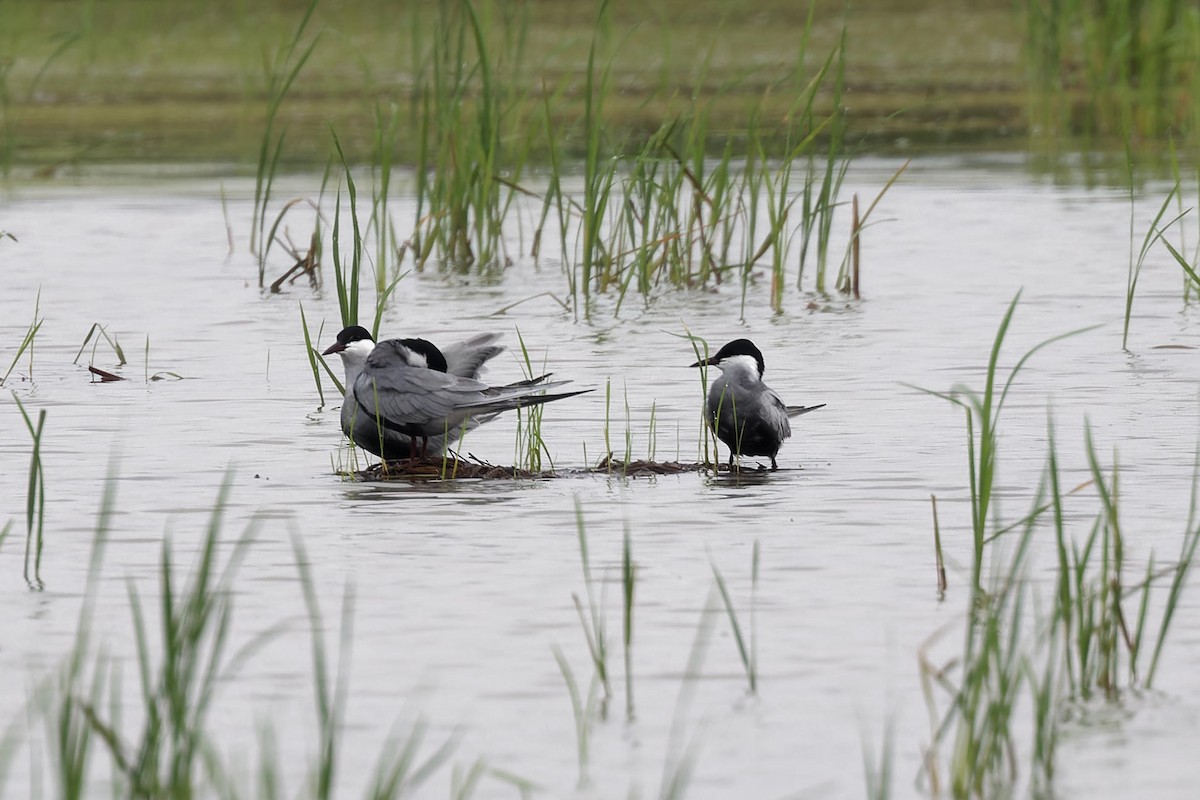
(654, 212)
(1116, 70)
(465, 114)
(664, 214)
(26, 344)
(1018, 664)
(10, 98)
(94, 335)
(983, 411)
(282, 70)
(530, 447)
(160, 743)
(1154, 232)
(746, 645)
(593, 621)
(35, 500)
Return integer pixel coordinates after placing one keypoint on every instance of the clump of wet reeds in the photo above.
(746, 645)
(26, 345)
(709, 452)
(183, 659)
(1154, 232)
(281, 74)
(1116, 69)
(1189, 266)
(878, 770)
(8, 95)
(529, 446)
(1016, 667)
(593, 622)
(586, 706)
(35, 500)
(315, 360)
(628, 592)
(465, 110)
(593, 704)
(659, 213)
(1020, 668)
(653, 213)
(665, 214)
(983, 411)
(94, 335)
(348, 269)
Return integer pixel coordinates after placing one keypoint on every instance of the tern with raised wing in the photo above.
(406, 398)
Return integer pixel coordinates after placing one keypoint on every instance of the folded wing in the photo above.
(425, 402)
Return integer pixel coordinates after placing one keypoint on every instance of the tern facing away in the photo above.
(746, 414)
(399, 391)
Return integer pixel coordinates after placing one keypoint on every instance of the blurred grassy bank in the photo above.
(123, 80)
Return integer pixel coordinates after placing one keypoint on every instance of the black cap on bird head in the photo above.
(738, 347)
(427, 351)
(354, 333)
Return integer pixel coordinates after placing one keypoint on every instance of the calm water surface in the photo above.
(462, 590)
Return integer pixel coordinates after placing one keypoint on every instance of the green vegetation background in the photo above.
(129, 80)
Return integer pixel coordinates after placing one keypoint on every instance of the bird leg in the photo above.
(416, 454)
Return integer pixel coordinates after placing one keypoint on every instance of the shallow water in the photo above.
(462, 589)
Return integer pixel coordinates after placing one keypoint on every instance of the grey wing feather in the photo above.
(466, 359)
(423, 397)
(412, 396)
(779, 419)
(795, 411)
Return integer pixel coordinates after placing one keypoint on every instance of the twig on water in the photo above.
(105, 377)
(305, 265)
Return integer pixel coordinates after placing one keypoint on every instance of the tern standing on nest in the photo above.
(405, 398)
(746, 414)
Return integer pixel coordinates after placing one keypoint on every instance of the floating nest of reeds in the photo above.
(472, 468)
(642, 468)
(439, 469)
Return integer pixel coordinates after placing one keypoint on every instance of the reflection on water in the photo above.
(464, 587)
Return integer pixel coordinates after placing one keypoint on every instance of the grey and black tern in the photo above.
(746, 414)
(401, 391)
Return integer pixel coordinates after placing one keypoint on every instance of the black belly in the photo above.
(394, 449)
(755, 438)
